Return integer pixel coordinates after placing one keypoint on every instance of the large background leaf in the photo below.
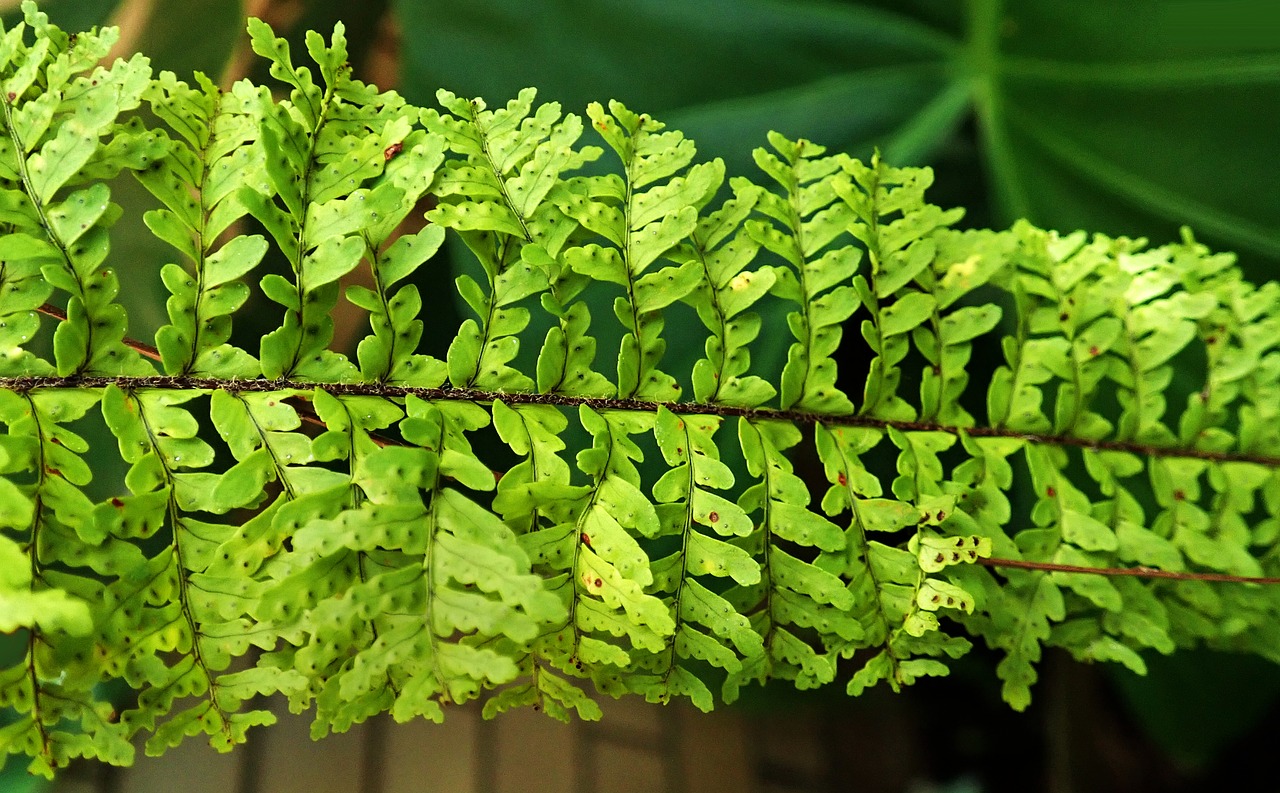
(1132, 117)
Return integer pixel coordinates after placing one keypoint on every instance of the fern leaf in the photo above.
(642, 226)
(317, 146)
(55, 143)
(215, 153)
(53, 684)
(707, 627)
(389, 354)
(795, 649)
(497, 200)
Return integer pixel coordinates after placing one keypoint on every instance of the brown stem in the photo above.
(147, 351)
(687, 408)
(1138, 572)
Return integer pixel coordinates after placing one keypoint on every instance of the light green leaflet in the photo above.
(373, 529)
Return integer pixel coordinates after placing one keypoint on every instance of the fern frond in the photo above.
(402, 533)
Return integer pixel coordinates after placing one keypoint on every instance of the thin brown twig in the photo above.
(1137, 572)
(145, 350)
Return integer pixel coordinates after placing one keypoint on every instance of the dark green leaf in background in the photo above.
(1130, 118)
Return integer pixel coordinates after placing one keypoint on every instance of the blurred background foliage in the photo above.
(1129, 118)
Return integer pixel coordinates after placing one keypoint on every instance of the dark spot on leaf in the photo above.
(939, 559)
(713, 517)
(1178, 495)
(842, 479)
(115, 502)
(1051, 492)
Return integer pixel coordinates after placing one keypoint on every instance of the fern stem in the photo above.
(75, 382)
(34, 632)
